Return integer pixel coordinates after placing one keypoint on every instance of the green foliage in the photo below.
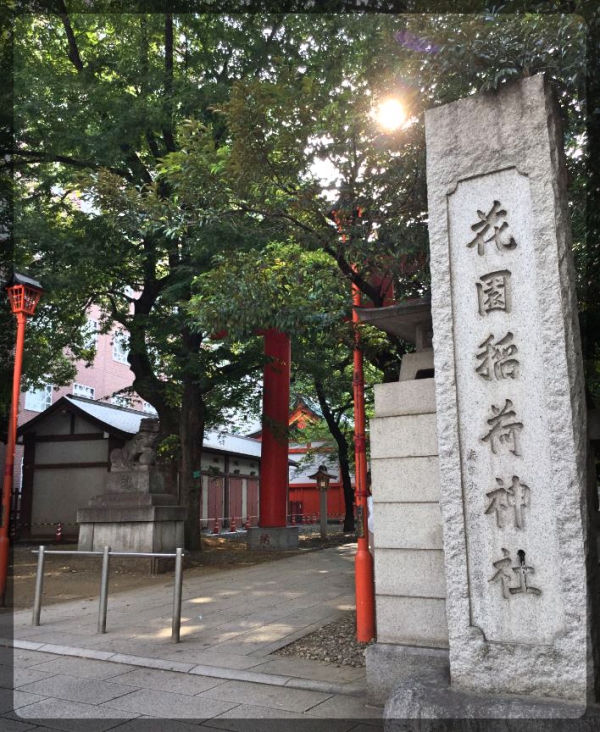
(200, 145)
(279, 286)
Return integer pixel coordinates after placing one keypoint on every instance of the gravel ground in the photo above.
(334, 643)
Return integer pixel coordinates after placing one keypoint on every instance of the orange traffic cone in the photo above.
(216, 527)
(232, 524)
(58, 535)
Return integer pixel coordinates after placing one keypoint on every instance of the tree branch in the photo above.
(355, 277)
(152, 144)
(135, 164)
(39, 156)
(167, 129)
(74, 55)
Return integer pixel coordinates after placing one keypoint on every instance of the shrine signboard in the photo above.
(512, 545)
(509, 391)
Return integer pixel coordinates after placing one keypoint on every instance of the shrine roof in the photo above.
(125, 422)
(400, 320)
(309, 464)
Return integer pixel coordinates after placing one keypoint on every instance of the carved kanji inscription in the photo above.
(497, 358)
(505, 575)
(495, 224)
(493, 292)
(505, 430)
(508, 502)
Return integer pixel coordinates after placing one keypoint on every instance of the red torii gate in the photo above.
(272, 530)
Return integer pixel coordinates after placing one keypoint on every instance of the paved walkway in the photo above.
(222, 675)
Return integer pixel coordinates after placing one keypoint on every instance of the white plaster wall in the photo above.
(57, 494)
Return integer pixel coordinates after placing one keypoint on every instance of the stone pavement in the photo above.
(222, 675)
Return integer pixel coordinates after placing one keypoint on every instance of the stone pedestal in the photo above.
(278, 539)
(432, 705)
(520, 568)
(143, 519)
(135, 514)
(389, 664)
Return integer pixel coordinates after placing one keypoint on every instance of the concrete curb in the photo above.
(217, 672)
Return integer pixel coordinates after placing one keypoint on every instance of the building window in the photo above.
(148, 408)
(36, 400)
(120, 346)
(120, 401)
(90, 333)
(83, 391)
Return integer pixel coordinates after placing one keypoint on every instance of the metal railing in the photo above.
(103, 604)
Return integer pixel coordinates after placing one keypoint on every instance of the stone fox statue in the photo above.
(139, 453)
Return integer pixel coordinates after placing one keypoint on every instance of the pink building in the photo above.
(109, 374)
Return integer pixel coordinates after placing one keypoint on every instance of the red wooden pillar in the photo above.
(274, 460)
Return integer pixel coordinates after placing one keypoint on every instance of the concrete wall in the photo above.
(409, 559)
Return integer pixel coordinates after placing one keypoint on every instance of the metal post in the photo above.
(323, 513)
(104, 591)
(177, 589)
(39, 584)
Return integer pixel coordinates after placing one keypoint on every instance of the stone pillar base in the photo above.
(283, 538)
(132, 536)
(430, 705)
(131, 528)
(388, 664)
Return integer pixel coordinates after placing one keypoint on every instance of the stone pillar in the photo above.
(272, 531)
(511, 418)
(412, 634)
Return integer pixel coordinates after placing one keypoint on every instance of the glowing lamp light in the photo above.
(390, 114)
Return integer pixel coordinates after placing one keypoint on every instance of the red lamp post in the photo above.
(364, 577)
(24, 294)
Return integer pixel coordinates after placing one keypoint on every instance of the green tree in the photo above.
(303, 293)
(198, 134)
(98, 102)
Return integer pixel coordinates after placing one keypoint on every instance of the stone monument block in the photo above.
(510, 398)
(135, 513)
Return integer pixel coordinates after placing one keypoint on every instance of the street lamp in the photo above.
(24, 294)
(322, 476)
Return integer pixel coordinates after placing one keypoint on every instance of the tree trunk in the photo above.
(191, 435)
(342, 444)
(348, 489)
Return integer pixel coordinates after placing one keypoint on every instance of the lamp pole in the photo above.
(24, 294)
(364, 574)
(323, 506)
(364, 577)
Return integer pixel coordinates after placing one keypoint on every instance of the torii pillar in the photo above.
(272, 531)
